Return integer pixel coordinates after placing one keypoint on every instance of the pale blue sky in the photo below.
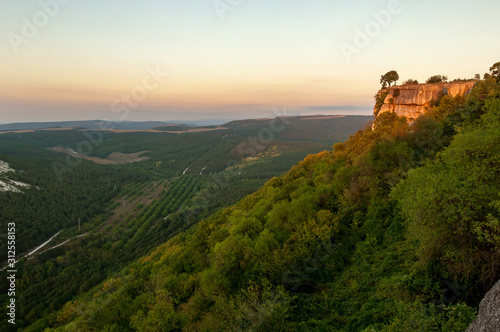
(86, 55)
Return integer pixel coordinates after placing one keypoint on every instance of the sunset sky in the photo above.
(78, 60)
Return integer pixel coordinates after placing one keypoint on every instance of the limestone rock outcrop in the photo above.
(488, 319)
(413, 100)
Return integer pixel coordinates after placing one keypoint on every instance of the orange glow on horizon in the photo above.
(208, 93)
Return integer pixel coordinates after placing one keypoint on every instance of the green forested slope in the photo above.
(396, 229)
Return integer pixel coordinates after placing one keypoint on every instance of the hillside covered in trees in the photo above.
(396, 229)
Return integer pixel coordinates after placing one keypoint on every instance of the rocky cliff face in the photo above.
(488, 319)
(412, 100)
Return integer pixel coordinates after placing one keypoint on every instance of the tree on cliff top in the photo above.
(495, 70)
(389, 78)
(437, 79)
(410, 81)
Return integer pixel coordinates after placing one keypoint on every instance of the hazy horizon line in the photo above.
(181, 121)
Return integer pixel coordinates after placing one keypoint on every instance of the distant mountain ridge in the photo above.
(88, 124)
(348, 122)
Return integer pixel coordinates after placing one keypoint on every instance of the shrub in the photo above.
(379, 101)
(410, 81)
(437, 79)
